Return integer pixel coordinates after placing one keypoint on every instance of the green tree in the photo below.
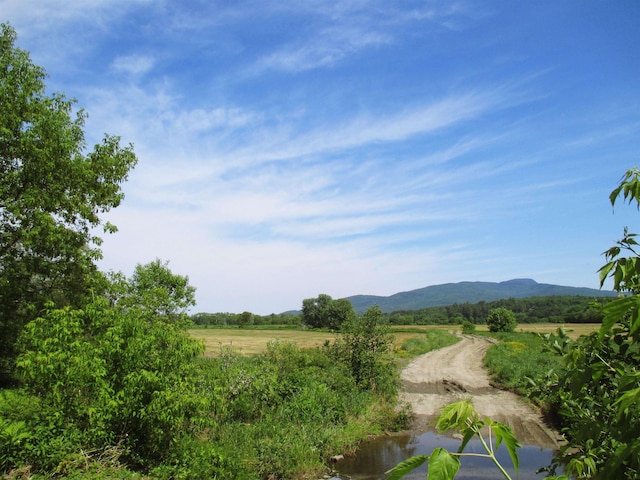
(501, 320)
(245, 319)
(51, 195)
(325, 312)
(156, 290)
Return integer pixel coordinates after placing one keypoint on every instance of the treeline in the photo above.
(244, 319)
(553, 309)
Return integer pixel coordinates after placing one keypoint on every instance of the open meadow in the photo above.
(248, 341)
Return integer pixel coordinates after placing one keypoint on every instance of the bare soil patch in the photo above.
(454, 373)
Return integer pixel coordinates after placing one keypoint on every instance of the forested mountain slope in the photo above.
(468, 292)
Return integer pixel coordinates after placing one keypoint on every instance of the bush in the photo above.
(468, 328)
(114, 376)
(501, 320)
(365, 347)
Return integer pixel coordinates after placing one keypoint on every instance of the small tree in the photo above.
(501, 320)
(364, 346)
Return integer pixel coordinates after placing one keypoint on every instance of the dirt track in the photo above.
(456, 373)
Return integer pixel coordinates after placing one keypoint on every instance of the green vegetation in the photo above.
(225, 319)
(427, 341)
(598, 395)
(523, 363)
(325, 312)
(115, 378)
(365, 347)
(468, 328)
(592, 390)
(501, 320)
(550, 309)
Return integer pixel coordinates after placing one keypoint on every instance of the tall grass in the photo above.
(427, 341)
(520, 362)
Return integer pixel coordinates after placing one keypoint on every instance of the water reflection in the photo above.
(379, 455)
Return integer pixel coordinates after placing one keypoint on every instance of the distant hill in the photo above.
(470, 292)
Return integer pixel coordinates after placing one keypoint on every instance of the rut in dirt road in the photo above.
(455, 373)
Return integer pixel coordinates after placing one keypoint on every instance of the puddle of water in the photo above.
(375, 457)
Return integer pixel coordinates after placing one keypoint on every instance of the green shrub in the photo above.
(34, 434)
(112, 375)
(468, 328)
(501, 320)
(365, 348)
(195, 459)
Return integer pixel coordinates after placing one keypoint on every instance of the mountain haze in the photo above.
(469, 292)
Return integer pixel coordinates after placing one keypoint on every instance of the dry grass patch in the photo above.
(251, 342)
(574, 330)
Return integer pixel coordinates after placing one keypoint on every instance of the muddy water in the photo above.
(379, 455)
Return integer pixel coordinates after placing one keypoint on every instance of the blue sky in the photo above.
(288, 149)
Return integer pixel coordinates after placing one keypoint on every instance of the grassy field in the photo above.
(252, 341)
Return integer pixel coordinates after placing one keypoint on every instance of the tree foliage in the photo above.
(598, 398)
(51, 194)
(501, 320)
(325, 312)
(116, 375)
(154, 290)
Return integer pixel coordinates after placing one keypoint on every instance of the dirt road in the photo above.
(455, 373)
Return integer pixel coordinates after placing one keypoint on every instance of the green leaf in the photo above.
(504, 433)
(604, 272)
(627, 400)
(468, 435)
(406, 466)
(442, 465)
(457, 415)
(615, 310)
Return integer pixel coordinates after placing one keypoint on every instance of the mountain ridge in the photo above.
(468, 292)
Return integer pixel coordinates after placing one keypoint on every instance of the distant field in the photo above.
(249, 341)
(574, 330)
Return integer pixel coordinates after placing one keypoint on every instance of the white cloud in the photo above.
(133, 64)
